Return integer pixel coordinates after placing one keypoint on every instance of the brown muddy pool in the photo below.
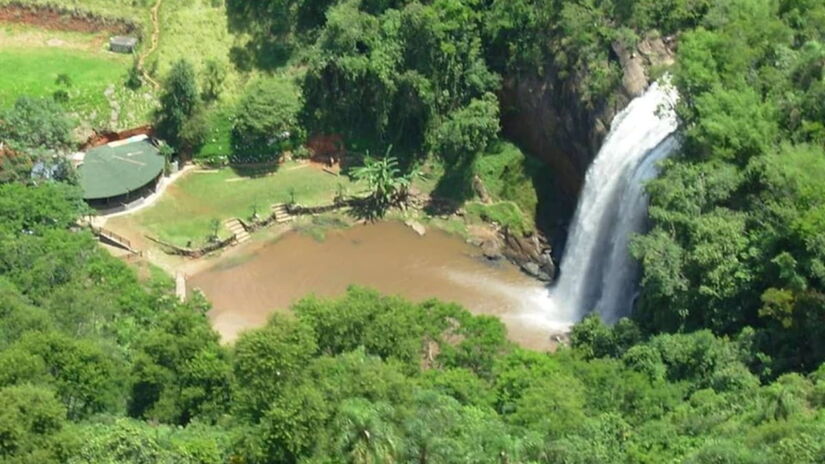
(246, 288)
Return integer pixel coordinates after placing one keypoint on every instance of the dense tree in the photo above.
(467, 131)
(30, 417)
(733, 263)
(36, 123)
(34, 133)
(289, 428)
(214, 75)
(419, 64)
(266, 116)
(36, 209)
(127, 441)
(87, 379)
(181, 371)
(269, 359)
(728, 248)
(363, 433)
(178, 103)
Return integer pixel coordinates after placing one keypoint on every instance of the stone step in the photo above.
(236, 227)
(281, 213)
(233, 224)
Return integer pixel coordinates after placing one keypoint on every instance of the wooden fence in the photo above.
(194, 252)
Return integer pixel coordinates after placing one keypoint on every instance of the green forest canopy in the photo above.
(97, 366)
(721, 361)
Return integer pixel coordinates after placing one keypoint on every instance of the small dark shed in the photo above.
(123, 44)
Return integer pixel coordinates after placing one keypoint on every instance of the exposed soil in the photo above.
(102, 138)
(64, 20)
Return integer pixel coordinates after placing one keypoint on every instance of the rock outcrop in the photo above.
(545, 114)
(530, 253)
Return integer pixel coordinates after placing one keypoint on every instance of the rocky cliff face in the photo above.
(544, 114)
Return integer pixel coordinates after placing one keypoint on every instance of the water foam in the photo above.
(597, 272)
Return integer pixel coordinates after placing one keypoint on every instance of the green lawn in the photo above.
(188, 207)
(33, 70)
(33, 58)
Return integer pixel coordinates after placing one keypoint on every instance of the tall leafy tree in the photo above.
(269, 359)
(266, 116)
(178, 103)
(388, 185)
(181, 371)
(30, 419)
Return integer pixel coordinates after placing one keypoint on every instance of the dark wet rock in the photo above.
(545, 114)
(530, 253)
(534, 270)
(491, 249)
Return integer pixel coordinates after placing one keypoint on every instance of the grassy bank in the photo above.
(508, 180)
(187, 208)
(136, 10)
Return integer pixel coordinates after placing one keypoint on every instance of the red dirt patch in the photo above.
(52, 18)
(326, 148)
(102, 138)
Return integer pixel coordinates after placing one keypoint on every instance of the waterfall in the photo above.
(597, 272)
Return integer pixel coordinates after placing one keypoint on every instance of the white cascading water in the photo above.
(597, 272)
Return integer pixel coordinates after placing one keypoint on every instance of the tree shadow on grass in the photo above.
(453, 189)
(366, 210)
(255, 170)
(268, 46)
(266, 56)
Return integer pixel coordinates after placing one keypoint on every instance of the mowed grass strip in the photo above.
(187, 208)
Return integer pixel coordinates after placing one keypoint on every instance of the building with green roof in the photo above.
(119, 172)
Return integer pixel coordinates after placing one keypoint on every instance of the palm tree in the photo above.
(365, 434)
(387, 185)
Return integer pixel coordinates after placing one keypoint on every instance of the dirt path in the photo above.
(154, 45)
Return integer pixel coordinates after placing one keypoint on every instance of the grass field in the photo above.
(31, 61)
(38, 56)
(188, 207)
(195, 30)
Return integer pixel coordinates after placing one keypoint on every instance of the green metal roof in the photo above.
(119, 168)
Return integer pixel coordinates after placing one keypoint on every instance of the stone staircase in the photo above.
(279, 210)
(235, 226)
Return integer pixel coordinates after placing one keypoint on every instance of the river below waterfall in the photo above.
(247, 286)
